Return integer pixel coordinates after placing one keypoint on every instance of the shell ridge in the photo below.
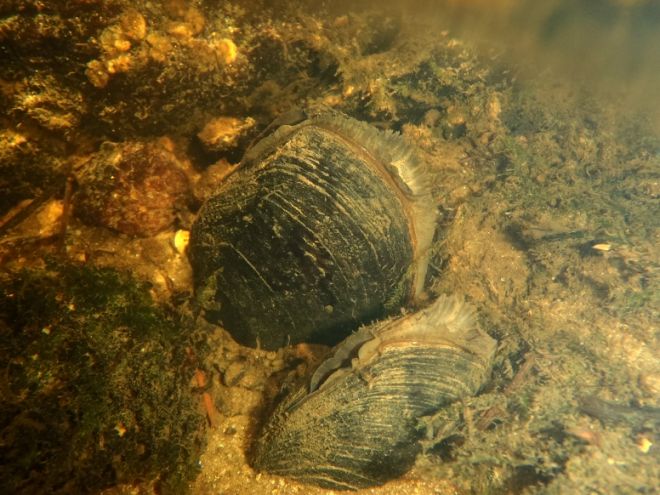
(256, 271)
(405, 169)
(331, 481)
(446, 316)
(345, 210)
(451, 312)
(342, 353)
(386, 145)
(274, 140)
(248, 262)
(310, 231)
(344, 206)
(448, 323)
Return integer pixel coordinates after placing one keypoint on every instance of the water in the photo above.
(541, 122)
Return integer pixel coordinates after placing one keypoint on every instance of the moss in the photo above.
(97, 384)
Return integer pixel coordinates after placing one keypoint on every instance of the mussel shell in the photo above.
(313, 234)
(354, 422)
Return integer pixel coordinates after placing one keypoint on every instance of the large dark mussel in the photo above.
(324, 225)
(354, 422)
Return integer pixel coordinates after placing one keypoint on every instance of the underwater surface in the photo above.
(300, 247)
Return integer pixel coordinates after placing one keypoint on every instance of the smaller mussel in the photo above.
(354, 422)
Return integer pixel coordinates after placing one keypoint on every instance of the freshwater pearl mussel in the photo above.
(325, 224)
(354, 422)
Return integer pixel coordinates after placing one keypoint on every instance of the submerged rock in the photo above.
(132, 187)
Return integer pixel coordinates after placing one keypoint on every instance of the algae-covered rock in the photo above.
(132, 187)
(95, 385)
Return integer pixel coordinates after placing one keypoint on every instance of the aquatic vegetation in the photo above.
(96, 386)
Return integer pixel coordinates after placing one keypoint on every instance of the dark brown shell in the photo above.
(354, 422)
(323, 226)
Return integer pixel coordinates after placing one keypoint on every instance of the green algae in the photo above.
(96, 385)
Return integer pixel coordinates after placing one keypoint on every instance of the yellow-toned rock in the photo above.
(159, 46)
(223, 133)
(133, 24)
(121, 63)
(180, 241)
(96, 74)
(226, 49)
(181, 30)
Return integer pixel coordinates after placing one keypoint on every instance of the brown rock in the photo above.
(223, 133)
(132, 187)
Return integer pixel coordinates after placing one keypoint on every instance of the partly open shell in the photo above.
(323, 226)
(354, 422)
